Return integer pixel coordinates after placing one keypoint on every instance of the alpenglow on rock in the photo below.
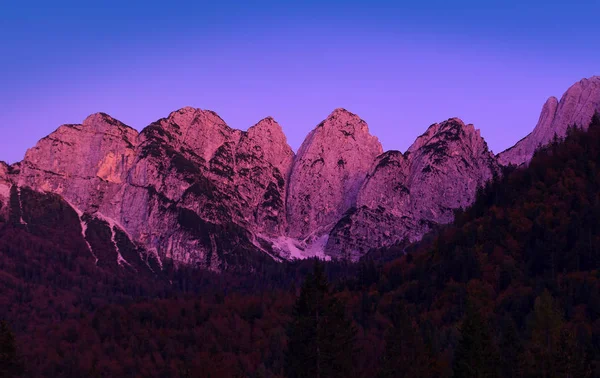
(405, 194)
(576, 107)
(190, 189)
(328, 171)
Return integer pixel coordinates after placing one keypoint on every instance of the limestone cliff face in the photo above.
(328, 171)
(576, 107)
(189, 188)
(405, 194)
(87, 164)
(5, 186)
(382, 214)
(263, 165)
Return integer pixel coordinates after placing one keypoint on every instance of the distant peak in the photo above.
(452, 129)
(592, 83)
(455, 121)
(185, 110)
(190, 110)
(267, 120)
(341, 112)
(267, 124)
(591, 79)
(188, 115)
(96, 119)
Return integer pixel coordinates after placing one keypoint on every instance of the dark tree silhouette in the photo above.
(406, 354)
(475, 356)
(321, 337)
(10, 363)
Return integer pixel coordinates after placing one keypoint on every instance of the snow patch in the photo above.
(112, 223)
(83, 229)
(293, 249)
(154, 251)
(20, 206)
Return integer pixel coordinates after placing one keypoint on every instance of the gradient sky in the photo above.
(400, 65)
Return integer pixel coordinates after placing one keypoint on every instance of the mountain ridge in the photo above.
(183, 179)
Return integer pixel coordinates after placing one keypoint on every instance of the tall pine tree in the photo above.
(10, 364)
(546, 326)
(475, 355)
(512, 352)
(321, 337)
(406, 354)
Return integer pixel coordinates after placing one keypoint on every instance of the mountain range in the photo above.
(192, 190)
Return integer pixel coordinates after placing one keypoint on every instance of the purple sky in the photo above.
(400, 67)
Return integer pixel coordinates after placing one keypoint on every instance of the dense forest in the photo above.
(510, 289)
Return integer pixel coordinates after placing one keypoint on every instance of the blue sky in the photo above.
(400, 65)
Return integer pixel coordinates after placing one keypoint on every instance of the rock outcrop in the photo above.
(190, 189)
(186, 188)
(328, 171)
(87, 164)
(405, 194)
(5, 185)
(576, 107)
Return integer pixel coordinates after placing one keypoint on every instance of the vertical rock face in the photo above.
(87, 164)
(193, 170)
(448, 163)
(328, 171)
(187, 188)
(404, 195)
(191, 189)
(4, 189)
(263, 165)
(577, 106)
(382, 212)
(201, 131)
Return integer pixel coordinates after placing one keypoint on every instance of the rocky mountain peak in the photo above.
(102, 119)
(192, 189)
(266, 141)
(576, 107)
(74, 159)
(405, 194)
(267, 127)
(347, 123)
(199, 130)
(328, 171)
(450, 131)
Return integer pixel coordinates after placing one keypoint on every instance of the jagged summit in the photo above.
(576, 107)
(405, 194)
(328, 171)
(100, 118)
(269, 125)
(192, 189)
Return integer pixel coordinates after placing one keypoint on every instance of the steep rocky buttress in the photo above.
(190, 189)
(328, 171)
(405, 194)
(576, 107)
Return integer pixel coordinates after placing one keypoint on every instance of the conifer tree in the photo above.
(545, 336)
(406, 354)
(475, 355)
(320, 338)
(512, 352)
(10, 364)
